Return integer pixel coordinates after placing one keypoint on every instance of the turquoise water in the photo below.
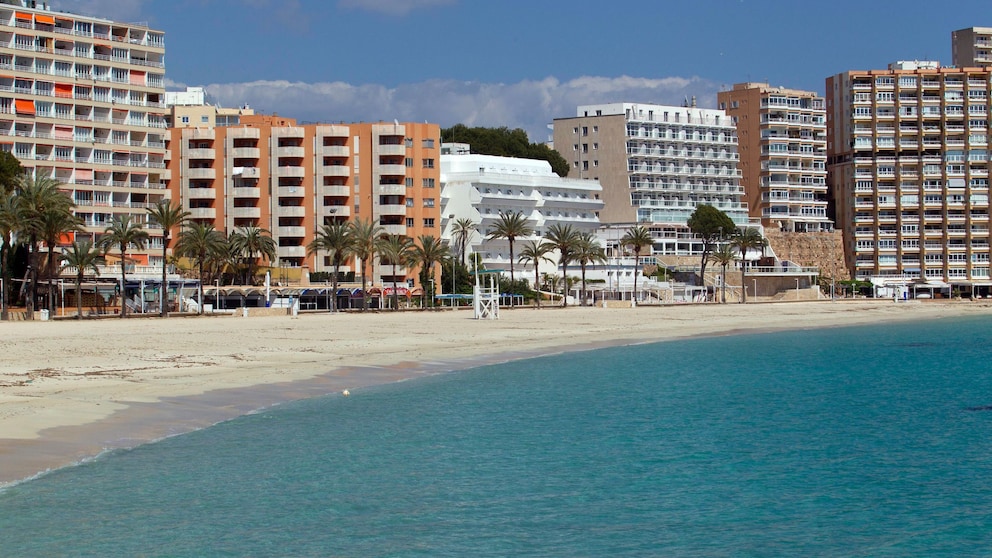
(866, 441)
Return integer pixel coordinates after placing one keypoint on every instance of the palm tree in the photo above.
(9, 221)
(123, 234)
(743, 241)
(394, 250)
(535, 252)
(587, 251)
(335, 239)
(461, 229)
(723, 256)
(510, 226)
(252, 240)
(55, 224)
(563, 238)
(637, 238)
(428, 251)
(168, 216)
(35, 197)
(200, 242)
(364, 234)
(82, 256)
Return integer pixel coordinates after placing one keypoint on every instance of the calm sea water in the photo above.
(868, 441)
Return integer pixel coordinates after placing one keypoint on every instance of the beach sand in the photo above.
(69, 390)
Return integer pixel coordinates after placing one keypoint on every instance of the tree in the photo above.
(505, 142)
(461, 230)
(364, 235)
(510, 226)
(56, 223)
(710, 225)
(36, 197)
(199, 242)
(587, 251)
(335, 239)
(535, 252)
(11, 172)
(428, 251)
(9, 221)
(123, 234)
(743, 241)
(395, 249)
(637, 239)
(82, 256)
(252, 240)
(563, 238)
(723, 256)
(169, 216)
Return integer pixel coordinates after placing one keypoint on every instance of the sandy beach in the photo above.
(69, 390)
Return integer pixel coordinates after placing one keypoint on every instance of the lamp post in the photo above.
(432, 293)
(217, 294)
(797, 288)
(755, 288)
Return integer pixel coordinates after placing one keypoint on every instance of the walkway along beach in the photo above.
(69, 390)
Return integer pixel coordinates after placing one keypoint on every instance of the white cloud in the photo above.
(392, 7)
(530, 105)
(117, 10)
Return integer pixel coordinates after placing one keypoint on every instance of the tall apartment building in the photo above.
(481, 187)
(82, 101)
(656, 164)
(971, 47)
(782, 141)
(908, 166)
(290, 179)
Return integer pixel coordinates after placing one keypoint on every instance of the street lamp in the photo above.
(797, 288)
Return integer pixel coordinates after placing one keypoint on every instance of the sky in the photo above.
(521, 63)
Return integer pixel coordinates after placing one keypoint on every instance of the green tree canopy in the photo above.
(711, 225)
(504, 142)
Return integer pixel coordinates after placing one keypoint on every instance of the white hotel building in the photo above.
(480, 187)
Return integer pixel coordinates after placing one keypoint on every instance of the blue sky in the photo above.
(521, 63)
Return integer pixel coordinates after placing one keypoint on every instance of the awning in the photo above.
(47, 20)
(84, 174)
(137, 77)
(22, 106)
(400, 291)
(22, 16)
(63, 90)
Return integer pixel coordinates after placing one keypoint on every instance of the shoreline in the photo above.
(70, 391)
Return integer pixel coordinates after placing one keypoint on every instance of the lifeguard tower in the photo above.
(485, 295)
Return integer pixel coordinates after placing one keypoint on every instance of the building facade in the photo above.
(656, 164)
(290, 179)
(782, 142)
(971, 47)
(82, 102)
(908, 167)
(482, 187)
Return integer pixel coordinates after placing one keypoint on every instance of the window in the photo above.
(595, 129)
(185, 119)
(429, 223)
(428, 202)
(204, 119)
(585, 130)
(409, 222)
(427, 144)
(428, 183)
(595, 146)
(409, 162)
(575, 147)
(585, 148)
(407, 142)
(409, 182)
(585, 165)
(428, 163)
(409, 202)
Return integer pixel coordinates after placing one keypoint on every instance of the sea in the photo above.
(856, 441)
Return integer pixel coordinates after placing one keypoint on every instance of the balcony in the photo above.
(202, 153)
(394, 229)
(335, 151)
(291, 231)
(247, 192)
(200, 133)
(246, 213)
(392, 209)
(291, 211)
(334, 211)
(250, 172)
(338, 191)
(291, 172)
(290, 191)
(244, 133)
(202, 213)
(288, 132)
(391, 190)
(201, 194)
(201, 174)
(291, 151)
(392, 170)
(291, 251)
(392, 150)
(336, 170)
(245, 153)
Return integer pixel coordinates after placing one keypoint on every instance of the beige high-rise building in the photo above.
(971, 47)
(82, 101)
(908, 166)
(782, 141)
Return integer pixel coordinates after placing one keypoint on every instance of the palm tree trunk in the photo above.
(79, 295)
(637, 267)
(334, 287)
(396, 300)
(582, 301)
(723, 285)
(537, 284)
(123, 287)
(163, 294)
(365, 303)
(201, 285)
(32, 278)
(51, 278)
(564, 283)
(511, 273)
(743, 278)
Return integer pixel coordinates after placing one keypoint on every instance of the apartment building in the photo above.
(908, 167)
(971, 47)
(782, 142)
(482, 187)
(656, 164)
(290, 179)
(82, 101)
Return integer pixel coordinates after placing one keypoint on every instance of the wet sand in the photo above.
(69, 390)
